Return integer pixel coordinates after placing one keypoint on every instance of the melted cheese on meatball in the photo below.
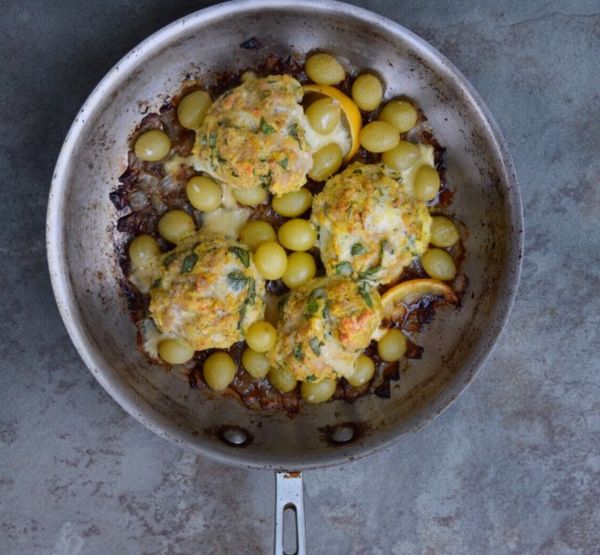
(325, 326)
(207, 292)
(316, 141)
(228, 219)
(370, 225)
(426, 158)
(253, 136)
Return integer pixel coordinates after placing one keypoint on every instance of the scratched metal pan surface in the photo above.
(81, 231)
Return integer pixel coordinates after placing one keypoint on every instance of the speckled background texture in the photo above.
(512, 467)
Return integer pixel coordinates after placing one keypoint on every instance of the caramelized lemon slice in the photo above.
(349, 109)
(397, 300)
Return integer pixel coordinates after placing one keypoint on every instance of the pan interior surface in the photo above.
(82, 232)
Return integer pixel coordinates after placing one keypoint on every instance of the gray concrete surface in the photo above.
(512, 467)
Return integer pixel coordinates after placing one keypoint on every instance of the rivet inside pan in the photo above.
(235, 436)
(344, 433)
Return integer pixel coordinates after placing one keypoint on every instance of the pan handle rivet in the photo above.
(343, 433)
(235, 436)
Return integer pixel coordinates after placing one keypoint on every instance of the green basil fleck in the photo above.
(357, 248)
(312, 378)
(298, 354)
(212, 140)
(251, 292)
(316, 345)
(237, 280)
(283, 163)
(265, 127)
(368, 274)
(243, 309)
(293, 131)
(344, 269)
(188, 263)
(169, 259)
(312, 306)
(242, 254)
(265, 180)
(250, 299)
(364, 293)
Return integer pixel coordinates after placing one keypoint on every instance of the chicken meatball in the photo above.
(370, 225)
(207, 293)
(253, 136)
(325, 326)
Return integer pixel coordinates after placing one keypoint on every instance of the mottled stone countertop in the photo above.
(512, 467)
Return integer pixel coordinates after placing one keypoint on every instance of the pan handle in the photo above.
(290, 497)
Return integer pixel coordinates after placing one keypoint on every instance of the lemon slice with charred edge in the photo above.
(397, 300)
(349, 109)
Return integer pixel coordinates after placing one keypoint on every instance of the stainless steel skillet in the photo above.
(81, 234)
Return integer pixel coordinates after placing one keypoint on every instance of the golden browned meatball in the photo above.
(207, 292)
(370, 225)
(253, 136)
(325, 326)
